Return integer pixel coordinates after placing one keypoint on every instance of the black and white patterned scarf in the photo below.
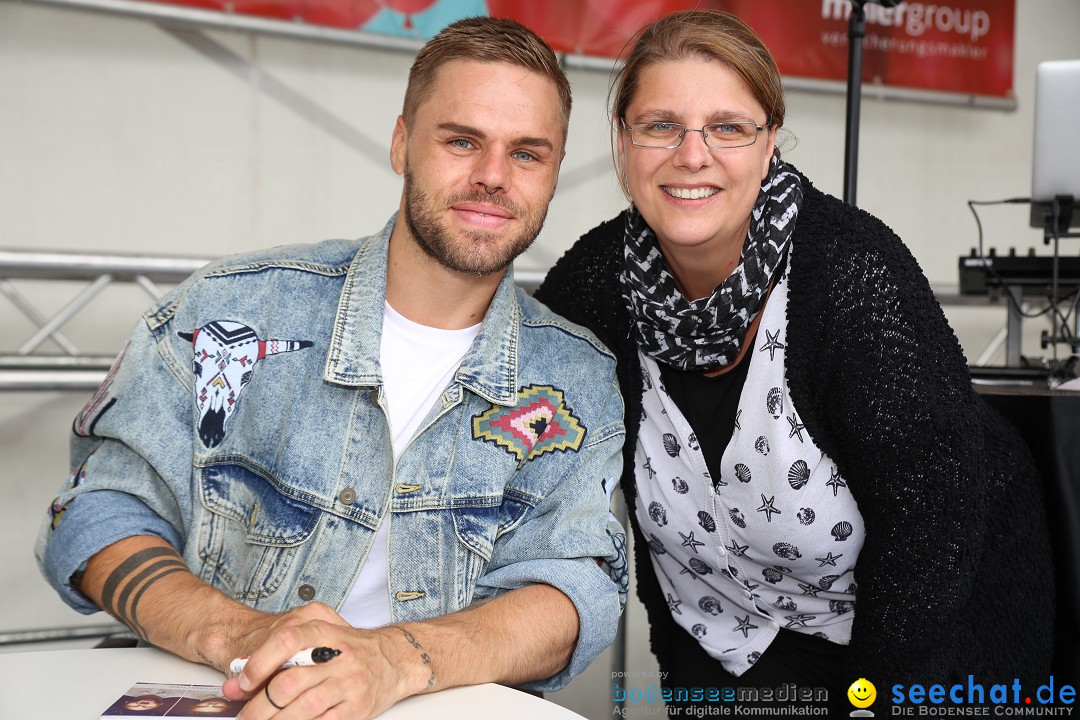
(707, 333)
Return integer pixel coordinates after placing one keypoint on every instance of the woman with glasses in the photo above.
(816, 492)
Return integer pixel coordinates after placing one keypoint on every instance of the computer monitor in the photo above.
(1055, 166)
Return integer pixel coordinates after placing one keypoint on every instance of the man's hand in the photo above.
(375, 669)
(523, 635)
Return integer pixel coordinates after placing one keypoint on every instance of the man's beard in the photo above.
(478, 253)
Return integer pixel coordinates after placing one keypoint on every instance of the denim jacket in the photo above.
(245, 424)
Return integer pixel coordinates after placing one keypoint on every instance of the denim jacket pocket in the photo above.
(252, 530)
(477, 527)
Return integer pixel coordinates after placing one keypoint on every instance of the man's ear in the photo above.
(398, 144)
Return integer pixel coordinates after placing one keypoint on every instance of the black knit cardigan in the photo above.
(955, 574)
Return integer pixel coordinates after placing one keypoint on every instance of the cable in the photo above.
(989, 267)
(1066, 332)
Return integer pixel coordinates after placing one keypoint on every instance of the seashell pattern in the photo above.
(798, 474)
(671, 445)
(785, 603)
(705, 520)
(774, 402)
(841, 606)
(699, 566)
(786, 551)
(771, 443)
(710, 605)
(753, 657)
(841, 531)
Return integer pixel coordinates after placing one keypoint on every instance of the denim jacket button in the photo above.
(306, 592)
(347, 496)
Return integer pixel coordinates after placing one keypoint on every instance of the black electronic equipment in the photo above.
(1032, 273)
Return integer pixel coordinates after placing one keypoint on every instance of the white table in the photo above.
(80, 684)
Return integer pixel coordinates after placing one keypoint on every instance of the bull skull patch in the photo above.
(225, 354)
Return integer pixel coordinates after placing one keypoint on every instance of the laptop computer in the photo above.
(1055, 166)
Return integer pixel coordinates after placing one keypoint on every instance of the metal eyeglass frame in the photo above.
(704, 135)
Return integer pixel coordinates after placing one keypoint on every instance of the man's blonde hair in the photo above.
(485, 40)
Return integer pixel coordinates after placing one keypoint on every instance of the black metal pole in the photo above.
(856, 33)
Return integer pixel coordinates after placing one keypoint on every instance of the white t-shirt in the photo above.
(418, 362)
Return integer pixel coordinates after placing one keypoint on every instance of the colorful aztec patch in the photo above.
(538, 424)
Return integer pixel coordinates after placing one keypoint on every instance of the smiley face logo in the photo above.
(862, 693)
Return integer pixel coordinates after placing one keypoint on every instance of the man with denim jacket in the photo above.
(382, 447)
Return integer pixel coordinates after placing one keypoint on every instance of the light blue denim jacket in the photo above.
(260, 447)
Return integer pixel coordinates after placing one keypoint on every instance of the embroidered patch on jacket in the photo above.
(77, 478)
(225, 354)
(538, 424)
(56, 511)
(99, 402)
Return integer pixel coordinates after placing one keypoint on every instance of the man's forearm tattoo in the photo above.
(423, 655)
(130, 579)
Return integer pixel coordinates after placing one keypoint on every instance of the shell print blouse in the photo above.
(772, 543)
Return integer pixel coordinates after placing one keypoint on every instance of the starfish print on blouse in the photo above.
(767, 507)
(772, 344)
(736, 549)
(829, 559)
(744, 625)
(796, 427)
(835, 482)
(690, 542)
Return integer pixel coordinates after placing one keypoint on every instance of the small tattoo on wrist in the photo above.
(423, 655)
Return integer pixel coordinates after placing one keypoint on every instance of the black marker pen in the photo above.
(311, 656)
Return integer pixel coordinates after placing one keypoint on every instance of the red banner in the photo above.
(960, 46)
(963, 46)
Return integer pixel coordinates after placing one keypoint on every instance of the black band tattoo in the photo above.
(129, 579)
(423, 655)
(130, 587)
(126, 568)
(135, 626)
